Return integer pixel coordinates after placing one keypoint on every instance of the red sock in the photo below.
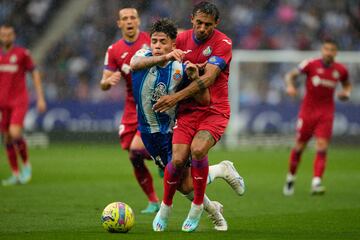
(143, 175)
(294, 160)
(171, 181)
(11, 152)
(199, 173)
(22, 148)
(319, 164)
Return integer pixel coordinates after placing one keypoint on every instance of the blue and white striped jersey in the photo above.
(148, 86)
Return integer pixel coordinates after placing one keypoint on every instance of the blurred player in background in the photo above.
(15, 61)
(317, 110)
(117, 65)
(158, 72)
(198, 127)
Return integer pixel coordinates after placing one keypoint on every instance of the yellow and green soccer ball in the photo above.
(118, 217)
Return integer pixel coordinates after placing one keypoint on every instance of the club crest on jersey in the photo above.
(160, 90)
(13, 58)
(207, 51)
(335, 74)
(124, 55)
(316, 80)
(177, 75)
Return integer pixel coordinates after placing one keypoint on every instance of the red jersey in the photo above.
(321, 81)
(118, 57)
(217, 50)
(13, 66)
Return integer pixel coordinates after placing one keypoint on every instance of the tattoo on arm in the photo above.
(200, 84)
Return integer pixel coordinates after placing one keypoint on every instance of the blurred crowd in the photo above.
(72, 69)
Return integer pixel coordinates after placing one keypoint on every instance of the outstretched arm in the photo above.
(138, 63)
(197, 85)
(40, 104)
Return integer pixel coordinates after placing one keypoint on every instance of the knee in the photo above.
(197, 152)
(136, 158)
(178, 162)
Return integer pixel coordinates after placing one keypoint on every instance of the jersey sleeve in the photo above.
(143, 52)
(304, 66)
(221, 54)
(110, 61)
(29, 63)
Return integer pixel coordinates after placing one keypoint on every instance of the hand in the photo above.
(113, 79)
(343, 96)
(176, 55)
(192, 71)
(41, 105)
(291, 91)
(164, 103)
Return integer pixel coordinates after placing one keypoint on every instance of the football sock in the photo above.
(319, 164)
(294, 160)
(215, 171)
(143, 175)
(11, 153)
(22, 149)
(199, 173)
(171, 181)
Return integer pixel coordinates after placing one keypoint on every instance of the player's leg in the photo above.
(323, 134)
(10, 148)
(304, 130)
(319, 166)
(137, 155)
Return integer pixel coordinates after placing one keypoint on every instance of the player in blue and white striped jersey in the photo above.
(155, 73)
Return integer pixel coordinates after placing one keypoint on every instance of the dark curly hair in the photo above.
(207, 8)
(166, 26)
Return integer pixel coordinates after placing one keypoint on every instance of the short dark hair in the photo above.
(164, 25)
(207, 8)
(330, 41)
(7, 25)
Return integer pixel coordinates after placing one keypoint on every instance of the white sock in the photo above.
(215, 171)
(290, 177)
(195, 210)
(316, 181)
(208, 206)
(164, 210)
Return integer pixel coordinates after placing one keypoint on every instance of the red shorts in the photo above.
(127, 132)
(189, 123)
(314, 124)
(12, 116)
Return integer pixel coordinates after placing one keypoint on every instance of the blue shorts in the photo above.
(159, 146)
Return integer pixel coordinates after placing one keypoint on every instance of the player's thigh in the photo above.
(17, 117)
(201, 144)
(5, 117)
(305, 129)
(323, 129)
(213, 123)
(126, 134)
(185, 128)
(137, 142)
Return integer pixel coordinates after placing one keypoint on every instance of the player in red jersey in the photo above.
(317, 110)
(198, 128)
(117, 65)
(15, 61)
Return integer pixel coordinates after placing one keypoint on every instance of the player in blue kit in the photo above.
(158, 72)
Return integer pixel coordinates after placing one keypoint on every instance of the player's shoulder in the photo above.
(309, 61)
(220, 37)
(340, 66)
(20, 50)
(144, 36)
(184, 36)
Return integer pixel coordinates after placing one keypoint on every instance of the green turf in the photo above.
(72, 183)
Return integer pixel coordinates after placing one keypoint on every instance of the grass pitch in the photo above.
(72, 183)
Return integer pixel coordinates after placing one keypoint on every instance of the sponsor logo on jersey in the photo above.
(159, 91)
(317, 81)
(13, 58)
(177, 75)
(207, 51)
(9, 68)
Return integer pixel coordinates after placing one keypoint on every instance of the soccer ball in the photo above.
(118, 217)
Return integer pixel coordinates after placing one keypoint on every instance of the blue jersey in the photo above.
(148, 86)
